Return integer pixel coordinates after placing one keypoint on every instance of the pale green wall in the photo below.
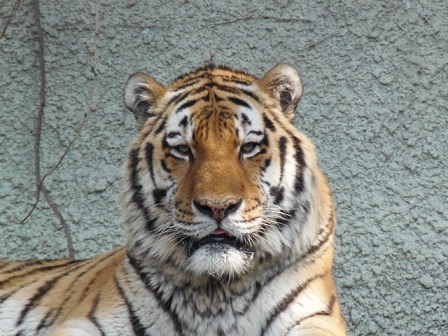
(375, 104)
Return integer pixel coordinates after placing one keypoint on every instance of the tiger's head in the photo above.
(219, 180)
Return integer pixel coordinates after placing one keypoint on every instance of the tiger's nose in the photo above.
(217, 210)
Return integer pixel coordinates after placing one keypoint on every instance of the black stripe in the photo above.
(184, 122)
(164, 166)
(257, 133)
(38, 270)
(207, 97)
(188, 83)
(161, 127)
(186, 105)
(324, 240)
(245, 119)
(137, 196)
(282, 149)
(286, 216)
(34, 301)
(328, 312)
(149, 160)
(287, 300)
(225, 88)
(158, 195)
(300, 159)
(236, 80)
(53, 314)
(237, 91)
(278, 194)
(177, 98)
(92, 316)
(251, 94)
(23, 264)
(267, 163)
(173, 134)
(139, 329)
(48, 319)
(268, 123)
(239, 102)
(165, 305)
(260, 286)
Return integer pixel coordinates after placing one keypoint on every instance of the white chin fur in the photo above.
(218, 260)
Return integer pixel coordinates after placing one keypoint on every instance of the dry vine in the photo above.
(39, 121)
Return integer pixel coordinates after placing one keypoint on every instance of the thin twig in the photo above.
(58, 163)
(263, 17)
(13, 12)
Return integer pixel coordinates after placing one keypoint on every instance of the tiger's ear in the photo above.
(283, 83)
(140, 95)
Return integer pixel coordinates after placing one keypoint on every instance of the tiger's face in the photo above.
(218, 179)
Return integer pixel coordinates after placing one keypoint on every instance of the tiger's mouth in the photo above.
(222, 238)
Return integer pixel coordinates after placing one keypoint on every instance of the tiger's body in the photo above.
(230, 224)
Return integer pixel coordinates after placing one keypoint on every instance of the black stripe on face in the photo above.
(184, 122)
(161, 127)
(165, 166)
(251, 94)
(268, 123)
(137, 196)
(149, 161)
(186, 105)
(188, 83)
(158, 195)
(256, 133)
(286, 216)
(173, 134)
(300, 159)
(177, 98)
(137, 326)
(278, 193)
(245, 120)
(157, 293)
(239, 102)
(267, 163)
(287, 300)
(282, 150)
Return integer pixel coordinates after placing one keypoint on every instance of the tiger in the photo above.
(229, 223)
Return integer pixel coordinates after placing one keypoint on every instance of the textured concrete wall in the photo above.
(375, 104)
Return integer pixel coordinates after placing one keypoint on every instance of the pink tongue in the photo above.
(218, 232)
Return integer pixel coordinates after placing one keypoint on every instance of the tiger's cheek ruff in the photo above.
(146, 199)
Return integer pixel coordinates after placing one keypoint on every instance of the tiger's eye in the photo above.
(183, 149)
(248, 147)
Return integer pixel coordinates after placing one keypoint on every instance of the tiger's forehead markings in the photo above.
(214, 101)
